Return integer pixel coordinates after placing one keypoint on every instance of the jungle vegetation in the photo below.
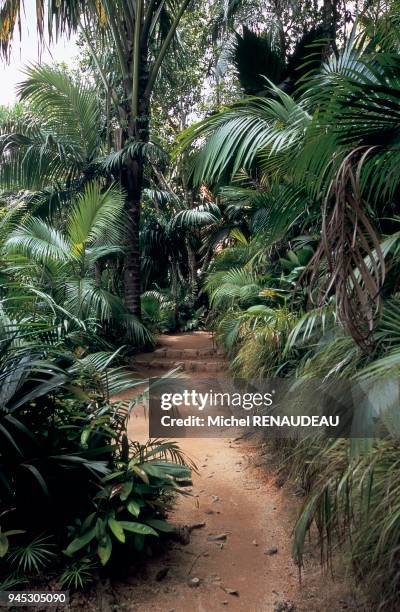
(224, 164)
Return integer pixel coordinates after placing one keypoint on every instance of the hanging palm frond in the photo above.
(347, 239)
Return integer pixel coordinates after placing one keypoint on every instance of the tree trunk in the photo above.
(137, 130)
(194, 289)
(206, 263)
(330, 17)
(175, 292)
(132, 182)
(278, 20)
(135, 115)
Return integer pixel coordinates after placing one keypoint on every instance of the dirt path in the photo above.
(230, 499)
(250, 568)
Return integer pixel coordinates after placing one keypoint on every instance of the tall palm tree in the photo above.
(141, 33)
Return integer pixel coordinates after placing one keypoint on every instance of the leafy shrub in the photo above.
(67, 469)
(131, 503)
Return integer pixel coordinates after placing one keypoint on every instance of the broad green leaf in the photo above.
(88, 521)
(85, 436)
(153, 470)
(100, 528)
(172, 469)
(137, 528)
(80, 542)
(133, 507)
(104, 549)
(161, 525)
(117, 530)
(140, 473)
(126, 490)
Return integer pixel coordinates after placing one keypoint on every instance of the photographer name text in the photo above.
(250, 421)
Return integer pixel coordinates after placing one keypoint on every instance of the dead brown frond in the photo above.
(9, 18)
(351, 249)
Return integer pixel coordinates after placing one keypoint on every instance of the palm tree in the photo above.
(141, 33)
(51, 149)
(335, 146)
(73, 266)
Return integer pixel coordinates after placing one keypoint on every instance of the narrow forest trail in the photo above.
(250, 568)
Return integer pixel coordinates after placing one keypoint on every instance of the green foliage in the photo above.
(57, 138)
(5, 540)
(236, 135)
(66, 459)
(304, 283)
(64, 265)
(33, 556)
(65, 452)
(356, 497)
(136, 492)
(236, 285)
(258, 57)
(78, 574)
(157, 310)
(255, 58)
(291, 239)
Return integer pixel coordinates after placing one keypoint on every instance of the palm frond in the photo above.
(96, 217)
(236, 136)
(69, 108)
(39, 241)
(238, 285)
(200, 216)
(313, 322)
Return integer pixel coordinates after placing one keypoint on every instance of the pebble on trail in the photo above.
(218, 537)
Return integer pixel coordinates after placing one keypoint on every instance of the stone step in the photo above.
(191, 354)
(205, 366)
(186, 365)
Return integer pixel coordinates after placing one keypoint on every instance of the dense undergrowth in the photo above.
(307, 286)
(76, 494)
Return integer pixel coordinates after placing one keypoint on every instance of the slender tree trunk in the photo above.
(132, 181)
(194, 289)
(206, 263)
(282, 38)
(175, 292)
(138, 85)
(330, 18)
